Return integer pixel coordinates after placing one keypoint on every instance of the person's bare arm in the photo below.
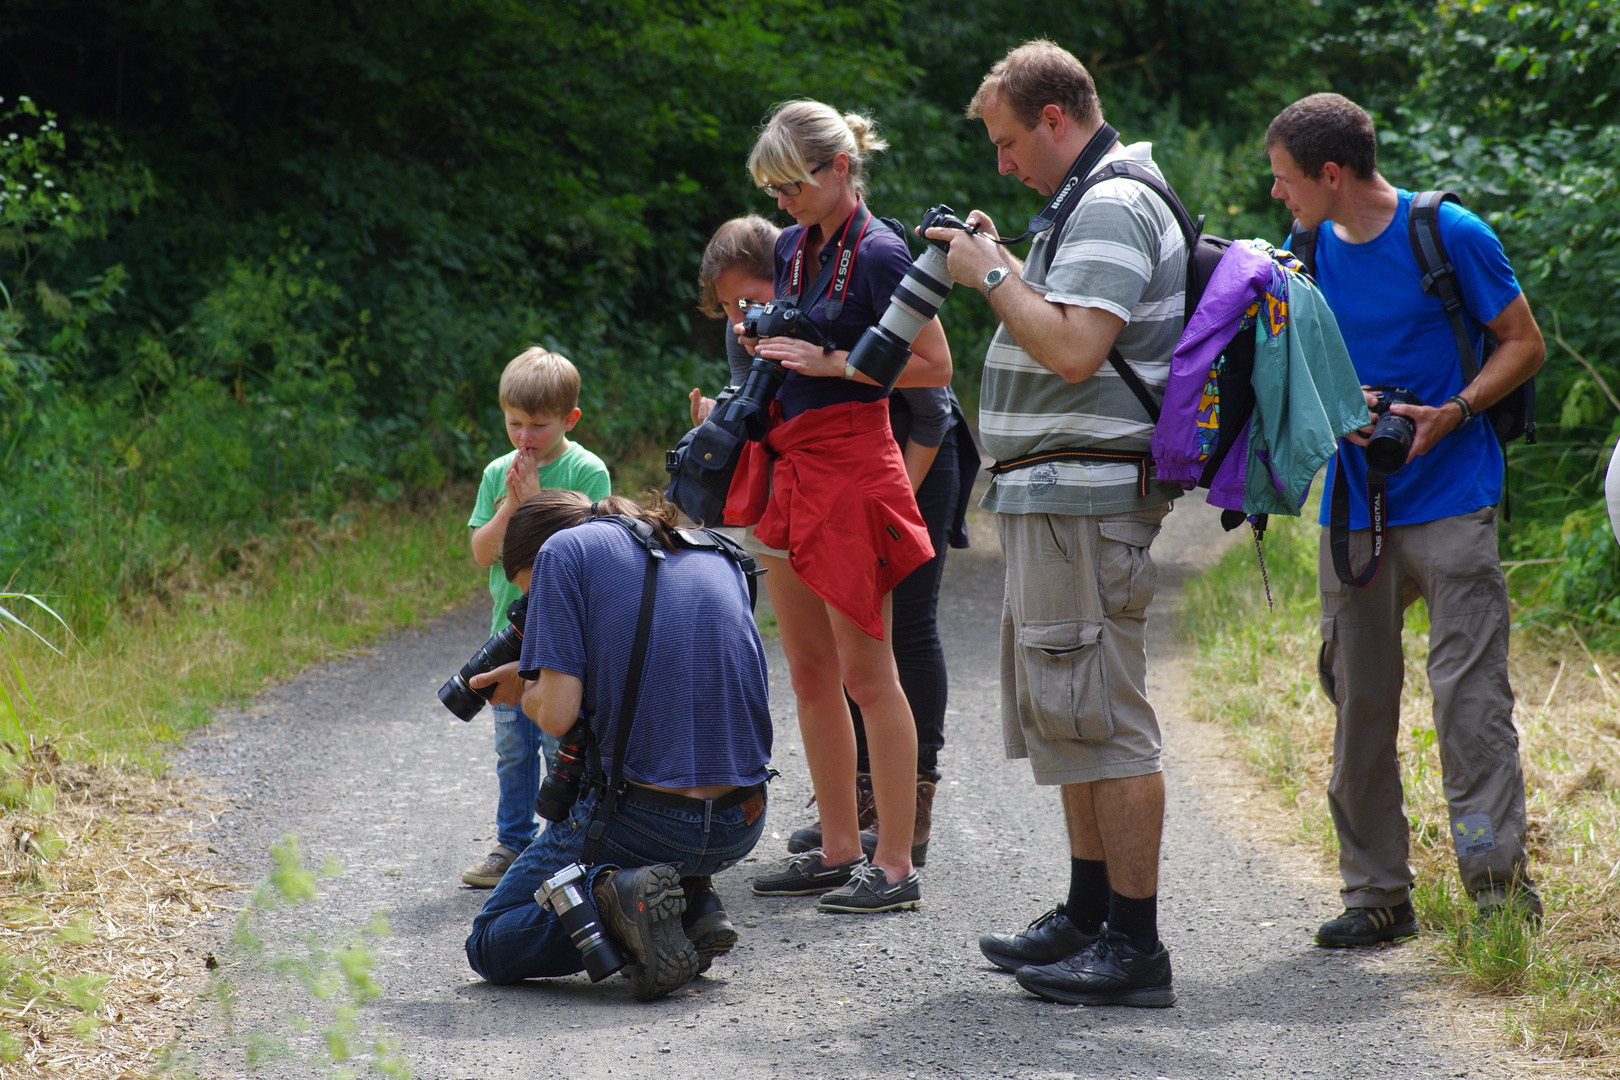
(554, 701)
(930, 363)
(486, 539)
(1520, 351)
(919, 459)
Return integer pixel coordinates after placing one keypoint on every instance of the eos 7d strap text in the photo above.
(834, 276)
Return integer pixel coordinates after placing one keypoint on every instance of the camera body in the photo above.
(1391, 438)
(458, 694)
(884, 349)
(778, 318)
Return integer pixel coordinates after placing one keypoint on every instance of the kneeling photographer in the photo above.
(629, 618)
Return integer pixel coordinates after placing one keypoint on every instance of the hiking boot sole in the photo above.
(1401, 931)
(664, 960)
(1147, 997)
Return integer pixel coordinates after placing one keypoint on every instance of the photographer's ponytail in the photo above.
(800, 135)
(542, 516)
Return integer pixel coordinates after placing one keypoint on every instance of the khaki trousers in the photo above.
(1452, 563)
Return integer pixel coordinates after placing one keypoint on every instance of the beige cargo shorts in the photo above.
(1074, 647)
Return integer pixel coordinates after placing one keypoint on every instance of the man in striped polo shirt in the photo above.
(1077, 520)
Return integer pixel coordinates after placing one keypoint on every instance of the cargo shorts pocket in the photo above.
(1126, 575)
(1064, 673)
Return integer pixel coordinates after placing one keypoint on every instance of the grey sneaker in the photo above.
(806, 874)
(1109, 971)
(488, 874)
(642, 909)
(869, 891)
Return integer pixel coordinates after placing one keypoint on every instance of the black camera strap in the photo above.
(632, 688)
(1061, 204)
(1339, 523)
(834, 275)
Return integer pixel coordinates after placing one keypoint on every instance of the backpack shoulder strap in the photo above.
(710, 540)
(1440, 273)
(1190, 231)
(1302, 244)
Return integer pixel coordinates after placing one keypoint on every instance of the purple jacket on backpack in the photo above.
(1180, 441)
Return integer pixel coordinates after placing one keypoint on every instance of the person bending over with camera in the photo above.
(1440, 542)
(735, 274)
(692, 798)
(836, 519)
(1077, 509)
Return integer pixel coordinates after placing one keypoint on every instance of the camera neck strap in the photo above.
(632, 689)
(834, 275)
(1339, 523)
(1064, 199)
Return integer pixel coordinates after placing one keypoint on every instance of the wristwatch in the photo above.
(994, 278)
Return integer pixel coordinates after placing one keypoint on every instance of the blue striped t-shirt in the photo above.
(702, 716)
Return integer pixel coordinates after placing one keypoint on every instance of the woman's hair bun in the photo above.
(864, 130)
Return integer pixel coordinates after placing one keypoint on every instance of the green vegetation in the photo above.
(200, 637)
(1257, 675)
(262, 262)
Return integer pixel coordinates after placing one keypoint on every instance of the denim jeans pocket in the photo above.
(1067, 680)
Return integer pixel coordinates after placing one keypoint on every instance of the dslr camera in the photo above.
(458, 694)
(1391, 438)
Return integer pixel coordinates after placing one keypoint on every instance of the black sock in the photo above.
(1087, 905)
(1136, 919)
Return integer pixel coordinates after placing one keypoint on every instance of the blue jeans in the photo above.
(514, 938)
(522, 754)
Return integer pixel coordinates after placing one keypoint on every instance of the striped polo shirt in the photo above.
(1122, 251)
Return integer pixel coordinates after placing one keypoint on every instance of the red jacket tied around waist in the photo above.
(837, 500)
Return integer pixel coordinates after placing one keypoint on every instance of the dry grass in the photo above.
(96, 892)
(1560, 988)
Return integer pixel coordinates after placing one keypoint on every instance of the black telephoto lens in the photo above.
(458, 694)
(560, 789)
(568, 892)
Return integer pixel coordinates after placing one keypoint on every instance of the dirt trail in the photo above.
(359, 760)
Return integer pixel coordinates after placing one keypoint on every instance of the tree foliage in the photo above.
(291, 244)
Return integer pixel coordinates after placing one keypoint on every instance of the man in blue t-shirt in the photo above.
(699, 744)
(1440, 542)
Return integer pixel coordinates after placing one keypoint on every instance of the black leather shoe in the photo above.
(1050, 938)
(1360, 926)
(705, 921)
(1112, 971)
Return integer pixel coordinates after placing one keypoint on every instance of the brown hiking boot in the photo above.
(809, 837)
(921, 830)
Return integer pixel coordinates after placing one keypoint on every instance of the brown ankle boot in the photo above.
(809, 837)
(921, 830)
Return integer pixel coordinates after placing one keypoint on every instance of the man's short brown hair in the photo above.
(1326, 127)
(1037, 74)
(540, 381)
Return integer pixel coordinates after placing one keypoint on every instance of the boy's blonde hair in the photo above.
(540, 381)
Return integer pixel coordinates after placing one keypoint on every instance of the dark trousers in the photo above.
(514, 938)
(917, 651)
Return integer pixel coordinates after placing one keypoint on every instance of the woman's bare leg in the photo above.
(873, 681)
(824, 720)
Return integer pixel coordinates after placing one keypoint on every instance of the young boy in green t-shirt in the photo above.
(540, 397)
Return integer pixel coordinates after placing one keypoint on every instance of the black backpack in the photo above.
(1514, 416)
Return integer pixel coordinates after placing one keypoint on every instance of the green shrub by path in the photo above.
(199, 636)
(1256, 672)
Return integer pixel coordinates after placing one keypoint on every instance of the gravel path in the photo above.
(360, 761)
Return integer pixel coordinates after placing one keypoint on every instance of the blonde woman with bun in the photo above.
(836, 520)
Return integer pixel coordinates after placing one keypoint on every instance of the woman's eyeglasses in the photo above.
(792, 187)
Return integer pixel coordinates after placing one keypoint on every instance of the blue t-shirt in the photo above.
(1397, 336)
(703, 715)
(880, 262)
